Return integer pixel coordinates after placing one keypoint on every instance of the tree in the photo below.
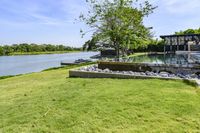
(1, 50)
(118, 23)
(188, 31)
(7, 50)
(90, 45)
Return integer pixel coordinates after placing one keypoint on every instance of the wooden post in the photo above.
(170, 44)
(164, 49)
(185, 44)
(184, 47)
(177, 39)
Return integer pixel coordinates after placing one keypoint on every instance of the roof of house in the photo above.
(186, 35)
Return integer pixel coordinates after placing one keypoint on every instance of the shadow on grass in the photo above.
(187, 82)
(9, 76)
(190, 83)
(69, 66)
(54, 68)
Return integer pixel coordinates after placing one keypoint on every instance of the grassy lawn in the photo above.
(49, 101)
(144, 53)
(138, 54)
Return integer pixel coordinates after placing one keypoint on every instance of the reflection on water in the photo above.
(182, 59)
(12, 65)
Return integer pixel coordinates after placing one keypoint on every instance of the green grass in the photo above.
(144, 53)
(49, 101)
(137, 54)
(38, 53)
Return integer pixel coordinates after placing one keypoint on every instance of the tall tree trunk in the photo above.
(116, 46)
(118, 54)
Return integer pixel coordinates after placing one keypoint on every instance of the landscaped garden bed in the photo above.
(94, 71)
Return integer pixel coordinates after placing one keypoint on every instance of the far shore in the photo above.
(40, 53)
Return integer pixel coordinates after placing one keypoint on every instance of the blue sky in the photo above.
(52, 21)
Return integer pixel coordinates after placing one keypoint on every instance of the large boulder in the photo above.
(164, 74)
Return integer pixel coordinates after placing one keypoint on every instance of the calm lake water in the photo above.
(13, 65)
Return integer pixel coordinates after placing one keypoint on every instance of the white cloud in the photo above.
(180, 6)
(32, 12)
(174, 15)
(73, 7)
(56, 17)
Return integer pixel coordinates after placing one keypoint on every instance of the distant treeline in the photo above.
(28, 48)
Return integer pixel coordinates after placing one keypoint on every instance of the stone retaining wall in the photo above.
(85, 74)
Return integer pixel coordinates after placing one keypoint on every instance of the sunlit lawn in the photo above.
(51, 102)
